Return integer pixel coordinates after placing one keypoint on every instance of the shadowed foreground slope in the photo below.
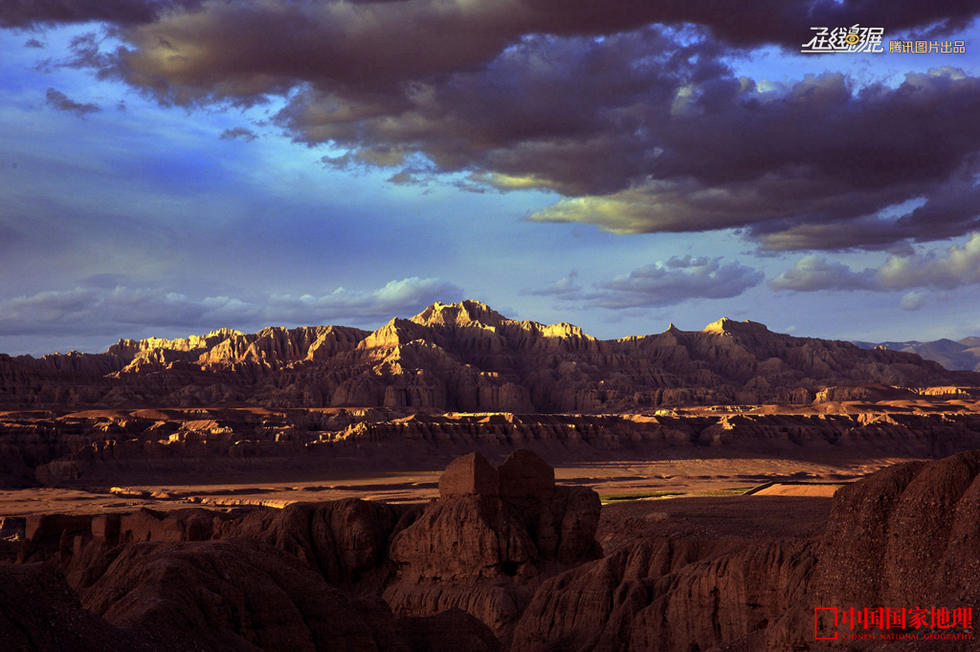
(507, 558)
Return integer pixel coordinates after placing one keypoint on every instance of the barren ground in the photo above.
(614, 481)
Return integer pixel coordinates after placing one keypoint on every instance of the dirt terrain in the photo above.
(104, 460)
(615, 481)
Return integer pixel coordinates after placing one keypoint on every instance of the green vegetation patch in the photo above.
(609, 498)
(652, 495)
(736, 491)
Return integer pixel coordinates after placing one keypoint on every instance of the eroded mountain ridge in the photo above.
(463, 356)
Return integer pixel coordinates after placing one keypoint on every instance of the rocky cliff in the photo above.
(492, 537)
(506, 558)
(117, 447)
(462, 356)
(904, 539)
(453, 574)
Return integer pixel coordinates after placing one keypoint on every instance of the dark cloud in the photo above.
(629, 111)
(404, 178)
(809, 166)
(950, 208)
(62, 102)
(239, 51)
(85, 53)
(33, 13)
(488, 23)
(103, 307)
(958, 266)
(242, 133)
(661, 284)
(554, 113)
(33, 43)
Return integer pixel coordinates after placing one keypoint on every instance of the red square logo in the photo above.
(824, 621)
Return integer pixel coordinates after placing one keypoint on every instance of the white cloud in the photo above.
(662, 284)
(913, 300)
(811, 273)
(117, 310)
(956, 267)
(959, 266)
(567, 287)
(396, 297)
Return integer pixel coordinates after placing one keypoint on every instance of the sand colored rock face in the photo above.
(463, 356)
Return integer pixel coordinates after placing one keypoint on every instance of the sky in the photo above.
(170, 167)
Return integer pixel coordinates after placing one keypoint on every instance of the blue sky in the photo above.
(165, 172)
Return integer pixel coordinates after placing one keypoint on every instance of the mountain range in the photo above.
(962, 354)
(466, 356)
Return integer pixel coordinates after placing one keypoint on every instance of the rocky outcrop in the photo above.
(493, 535)
(463, 356)
(468, 475)
(306, 577)
(906, 537)
(346, 541)
(213, 595)
(228, 596)
(868, 393)
(666, 594)
(506, 557)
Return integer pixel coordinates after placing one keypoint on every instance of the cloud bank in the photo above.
(958, 266)
(101, 308)
(667, 283)
(630, 113)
